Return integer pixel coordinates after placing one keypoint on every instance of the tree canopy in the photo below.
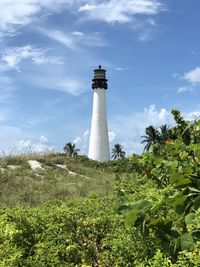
(117, 152)
(71, 150)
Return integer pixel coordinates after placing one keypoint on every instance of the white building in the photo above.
(99, 142)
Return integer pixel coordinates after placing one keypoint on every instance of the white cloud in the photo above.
(191, 116)
(152, 116)
(29, 146)
(132, 126)
(112, 140)
(77, 33)
(43, 139)
(112, 136)
(92, 39)
(119, 69)
(8, 135)
(12, 141)
(46, 78)
(14, 14)
(121, 11)
(74, 40)
(60, 37)
(82, 142)
(77, 140)
(58, 79)
(145, 35)
(23, 146)
(184, 89)
(41, 148)
(151, 21)
(193, 76)
(71, 86)
(131, 147)
(14, 56)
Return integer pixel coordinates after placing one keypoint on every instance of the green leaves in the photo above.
(196, 203)
(187, 241)
(175, 167)
(177, 201)
(131, 218)
(138, 210)
(189, 218)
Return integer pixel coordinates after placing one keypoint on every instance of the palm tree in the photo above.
(165, 134)
(71, 150)
(152, 137)
(118, 152)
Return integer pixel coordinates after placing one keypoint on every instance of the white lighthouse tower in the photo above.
(99, 142)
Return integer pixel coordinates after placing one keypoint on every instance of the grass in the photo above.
(20, 185)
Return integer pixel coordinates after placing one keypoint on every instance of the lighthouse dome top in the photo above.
(99, 68)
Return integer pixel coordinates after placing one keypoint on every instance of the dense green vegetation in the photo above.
(137, 211)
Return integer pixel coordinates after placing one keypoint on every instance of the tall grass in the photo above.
(20, 185)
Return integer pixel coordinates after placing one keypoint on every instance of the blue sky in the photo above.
(48, 50)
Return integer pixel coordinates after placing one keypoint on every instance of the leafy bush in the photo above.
(71, 233)
(174, 217)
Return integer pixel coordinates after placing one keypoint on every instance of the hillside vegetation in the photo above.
(56, 176)
(138, 211)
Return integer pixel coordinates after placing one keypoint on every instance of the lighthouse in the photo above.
(99, 142)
